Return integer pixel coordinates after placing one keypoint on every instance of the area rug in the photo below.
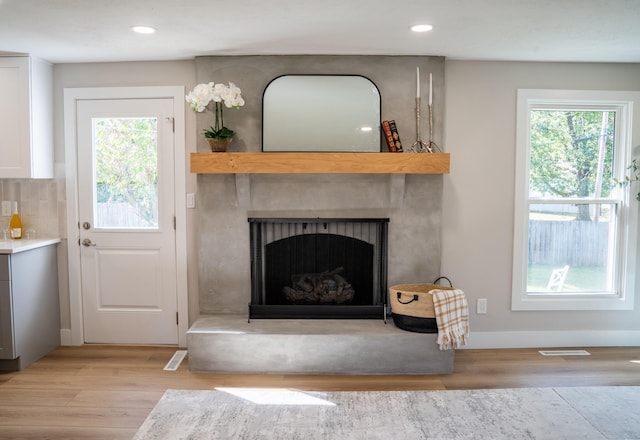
(584, 413)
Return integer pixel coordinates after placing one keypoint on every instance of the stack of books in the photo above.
(392, 136)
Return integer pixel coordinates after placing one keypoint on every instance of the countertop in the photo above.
(25, 244)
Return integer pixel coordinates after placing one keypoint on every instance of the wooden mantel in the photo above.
(319, 163)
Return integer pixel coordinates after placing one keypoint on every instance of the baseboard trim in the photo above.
(538, 339)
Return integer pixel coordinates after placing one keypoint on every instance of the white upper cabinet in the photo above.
(26, 118)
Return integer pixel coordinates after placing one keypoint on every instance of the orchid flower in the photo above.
(202, 94)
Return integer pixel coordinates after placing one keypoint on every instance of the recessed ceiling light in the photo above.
(143, 29)
(421, 27)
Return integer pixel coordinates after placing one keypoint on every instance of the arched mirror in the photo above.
(321, 113)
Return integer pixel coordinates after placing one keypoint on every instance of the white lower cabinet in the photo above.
(29, 306)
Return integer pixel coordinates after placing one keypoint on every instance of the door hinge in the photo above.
(173, 123)
(174, 222)
(177, 320)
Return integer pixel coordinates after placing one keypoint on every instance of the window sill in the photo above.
(533, 302)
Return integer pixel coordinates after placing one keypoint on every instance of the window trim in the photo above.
(627, 217)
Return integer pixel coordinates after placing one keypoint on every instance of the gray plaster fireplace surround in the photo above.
(223, 339)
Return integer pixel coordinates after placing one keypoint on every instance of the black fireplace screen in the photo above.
(318, 268)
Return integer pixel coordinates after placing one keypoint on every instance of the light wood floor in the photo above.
(106, 392)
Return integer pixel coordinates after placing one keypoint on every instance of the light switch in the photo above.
(191, 200)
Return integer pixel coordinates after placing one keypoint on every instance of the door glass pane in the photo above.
(571, 248)
(125, 173)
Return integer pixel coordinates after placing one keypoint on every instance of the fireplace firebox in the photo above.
(318, 268)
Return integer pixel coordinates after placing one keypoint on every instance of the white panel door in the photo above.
(126, 212)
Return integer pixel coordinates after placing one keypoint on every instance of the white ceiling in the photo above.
(63, 31)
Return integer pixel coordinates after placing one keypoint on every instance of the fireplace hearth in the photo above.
(318, 268)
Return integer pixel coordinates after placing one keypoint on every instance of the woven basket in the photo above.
(219, 145)
(412, 306)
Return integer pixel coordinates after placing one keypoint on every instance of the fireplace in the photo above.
(317, 268)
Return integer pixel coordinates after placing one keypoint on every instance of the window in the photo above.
(573, 247)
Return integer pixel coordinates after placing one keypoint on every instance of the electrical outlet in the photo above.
(481, 306)
(6, 208)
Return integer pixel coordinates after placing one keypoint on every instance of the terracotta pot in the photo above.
(219, 145)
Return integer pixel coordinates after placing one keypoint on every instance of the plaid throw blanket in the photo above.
(452, 316)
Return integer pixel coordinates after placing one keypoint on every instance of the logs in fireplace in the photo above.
(319, 288)
(318, 268)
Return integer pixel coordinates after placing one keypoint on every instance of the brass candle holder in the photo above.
(419, 146)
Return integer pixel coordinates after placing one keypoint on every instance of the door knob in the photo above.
(86, 242)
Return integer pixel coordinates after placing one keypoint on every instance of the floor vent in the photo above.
(175, 361)
(564, 353)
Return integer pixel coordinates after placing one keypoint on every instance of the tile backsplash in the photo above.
(41, 204)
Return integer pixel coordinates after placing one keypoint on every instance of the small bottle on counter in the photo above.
(15, 224)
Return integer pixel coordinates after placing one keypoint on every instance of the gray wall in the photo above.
(479, 199)
(477, 217)
(413, 205)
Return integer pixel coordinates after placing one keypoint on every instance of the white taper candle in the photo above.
(417, 82)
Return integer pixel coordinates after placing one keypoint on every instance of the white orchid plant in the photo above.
(202, 94)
